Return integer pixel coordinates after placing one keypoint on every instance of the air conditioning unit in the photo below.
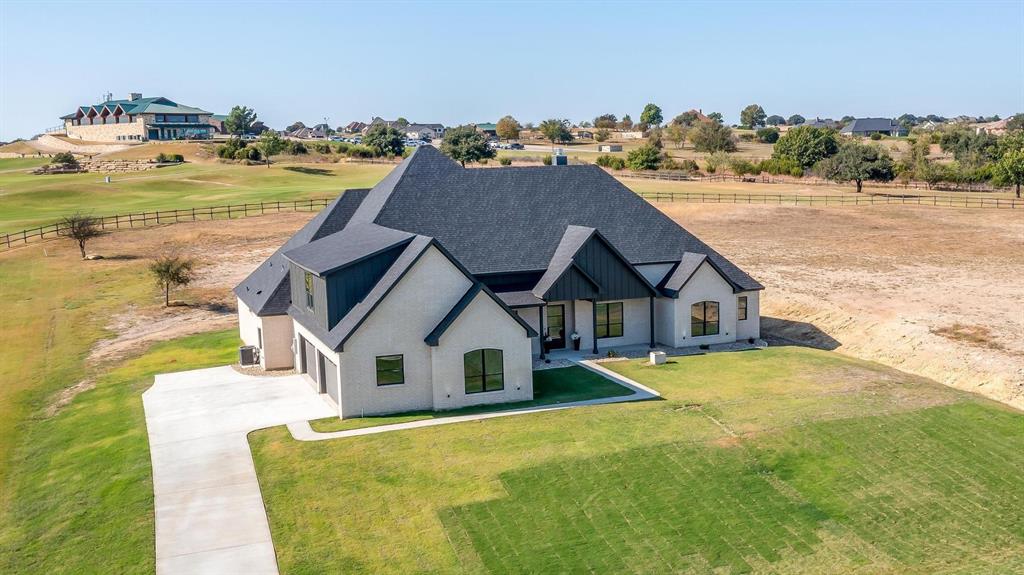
(248, 355)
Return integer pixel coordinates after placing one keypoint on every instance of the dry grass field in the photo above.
(931, 291)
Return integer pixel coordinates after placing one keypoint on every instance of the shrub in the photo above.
(229, 151)
(688, 166)
(176, 157)
(343, 147)
(644, 158)
(482, 161)
(747, 137)
(359, 151)
(609, 161)
(739, 166)
(505, 161)
(876, 136)
(322, 147)
(768, 135)
(296, 148)
(162, 158)
(779, 166)
(797, 172)
(253, 153)
(546, 160)
(716, 161)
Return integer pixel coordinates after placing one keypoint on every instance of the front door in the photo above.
(556, 326)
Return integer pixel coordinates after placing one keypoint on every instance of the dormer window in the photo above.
(309, 291)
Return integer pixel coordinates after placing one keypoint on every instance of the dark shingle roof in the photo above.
(266, 290)
(513, 219)
(870, 125)
(571, 242)
(341, 249)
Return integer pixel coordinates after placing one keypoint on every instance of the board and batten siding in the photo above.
(347, 287)
(617, 279)
(297, 278)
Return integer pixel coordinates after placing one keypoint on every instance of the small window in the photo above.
(704, 318)
(609, 320)
(741, 312)
(309, 291)
(390, 370)
(484, 370)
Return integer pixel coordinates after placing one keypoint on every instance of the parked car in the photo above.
(516, 146)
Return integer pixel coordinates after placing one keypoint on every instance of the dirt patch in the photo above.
(67, 395)
(886, 283)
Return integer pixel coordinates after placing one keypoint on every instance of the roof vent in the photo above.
(134, 96)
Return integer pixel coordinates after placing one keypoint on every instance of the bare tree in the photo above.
(171, 271)
(81, 228)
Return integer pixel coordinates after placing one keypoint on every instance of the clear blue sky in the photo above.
(476, 61)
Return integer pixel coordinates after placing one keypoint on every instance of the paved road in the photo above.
(209, 511)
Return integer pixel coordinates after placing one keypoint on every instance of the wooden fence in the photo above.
(676, 176)
(143, 219)
(826, 200)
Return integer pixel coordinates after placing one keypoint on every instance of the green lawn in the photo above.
(550, 386)
(79, 498)
(777, 461)
(28, 200)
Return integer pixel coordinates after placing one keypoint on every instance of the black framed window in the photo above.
(704, 318)
(741, 307)
(390, 370)
(609, 320)
(484, 370)
(309, 290)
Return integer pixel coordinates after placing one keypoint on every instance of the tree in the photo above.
(271, 144)
(466, 144)
(508, 128)
(775, 120)
(602, 135)
(715, 117)
(654, 138)
(795, 120)
(711, 136)
(385, 140)
(65, 159)
(848, 119)
(857, 162)
(806, 145)
(607, 121)
(240, 120)
(1009, 169)
(81, 228)
(626, 122)
(401, 122)
(1015, 123)
(294, 126)
(676, 133)
(686, 119)
(752, 116)
(768, 135)
(651, 116)
(171, 271)
(644, 158)
(258, 128)
(556, 130)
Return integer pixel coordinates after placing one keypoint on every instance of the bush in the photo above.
(670, 163)
(546, 160)
(343, 147)
(482, 161)
(505, 161)
(253, 154)
(716, 161)
(229, 151)
(644, 158)
(609, 161)
(746, 137)
(296, 148)
(768, 135)
(876, 136)
(359, 151)
(797, 172)
(739, 166)
(162, 158)
(779, 166)
(322, 147)
(176, 158)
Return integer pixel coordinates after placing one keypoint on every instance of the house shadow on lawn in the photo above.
(310, 171)
(777, 332)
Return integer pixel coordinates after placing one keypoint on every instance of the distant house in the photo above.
(609, 148)
(996, 128)
(355, 127)
(819, 123)
(631, 135)
(217, 121)
(138, 119)
(582, 134)
(867, 126)
(487, 128)
(423, 131)
(314, 133)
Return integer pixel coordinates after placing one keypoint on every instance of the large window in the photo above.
(484, 370)
(609, 320)
(741, 308)
(309, 291)
(390, 370)
(704, 318)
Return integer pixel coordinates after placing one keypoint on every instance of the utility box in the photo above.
(657, 357)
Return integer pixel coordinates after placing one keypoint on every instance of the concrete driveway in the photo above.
(209, 511)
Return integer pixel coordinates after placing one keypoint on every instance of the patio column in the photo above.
(652, 322)
(593, 322)
(540, 331)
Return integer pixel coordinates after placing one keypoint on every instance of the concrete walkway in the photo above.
(210, 516)
(301, 430)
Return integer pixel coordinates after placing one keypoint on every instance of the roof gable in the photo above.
(433, 339)
(586, 265)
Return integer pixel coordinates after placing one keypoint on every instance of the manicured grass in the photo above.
(30, 200)
(81, 492)
(550, 386)
(784, 460)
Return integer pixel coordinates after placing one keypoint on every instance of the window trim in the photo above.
(704, 321)
(607, 319)
(308, 279)
(741, 308)
(400, 370)
(483, 371)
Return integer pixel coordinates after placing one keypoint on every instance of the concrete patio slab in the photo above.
(210, 516)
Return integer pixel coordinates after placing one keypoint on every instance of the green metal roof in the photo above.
(157, 105)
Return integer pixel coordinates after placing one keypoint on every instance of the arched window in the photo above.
(484, 370)
(704, 318)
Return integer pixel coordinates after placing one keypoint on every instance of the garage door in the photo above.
(330, 379)
(308, 358)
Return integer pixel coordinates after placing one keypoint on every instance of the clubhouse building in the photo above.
(138, 119)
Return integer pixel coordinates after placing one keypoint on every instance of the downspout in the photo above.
(652, 322)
